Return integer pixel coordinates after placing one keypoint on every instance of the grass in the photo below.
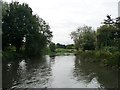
(61, 51)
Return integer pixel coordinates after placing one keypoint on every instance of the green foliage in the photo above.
(84, 38)
(110, 49)
(11, 56)
(61, 51)
(35, 45)
(106, 36)
(64, 50)
(52, 47)
(105, 58)
(58, 45)
(117, 23)
(22, 29)
(115, 33)
(111, 59)
(5, 7)
(106, 40)
(70, 46)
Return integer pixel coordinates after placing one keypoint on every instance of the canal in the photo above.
(57, 72)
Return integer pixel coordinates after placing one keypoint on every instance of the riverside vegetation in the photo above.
(30, 58)
(25, 34)
(101, 45)
(61, 49)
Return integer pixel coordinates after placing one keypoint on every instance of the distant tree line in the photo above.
(54, 46)
(24, 30)
(68, 46)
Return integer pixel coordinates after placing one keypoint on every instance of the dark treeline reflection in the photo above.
(26, 73)
(87, 72)
(57, 72)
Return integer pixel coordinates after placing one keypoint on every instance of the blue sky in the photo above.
(65, 16)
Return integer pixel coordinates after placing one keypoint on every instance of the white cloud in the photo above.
(65, 16)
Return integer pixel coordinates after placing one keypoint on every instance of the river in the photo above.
(57, 72)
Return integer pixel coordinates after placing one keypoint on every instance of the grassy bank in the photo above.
(61, 51)
(110, 59)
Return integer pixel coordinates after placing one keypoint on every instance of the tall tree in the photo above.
(84, 38)
(109, 33)
(106, 36)
(52, 47)
(21, 27)
(16, 23)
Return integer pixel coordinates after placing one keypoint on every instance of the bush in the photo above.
(102, 54)
(113, 60)
(10, 56)
(110, 49)
(105, 58)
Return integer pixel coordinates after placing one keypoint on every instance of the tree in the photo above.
(22, 28)
(84, 38)
(117, 24)
(16, 23)
(52, 47)
(70, 46)
(58, 45)
(109, 33)
(106, 36)
(75, 36)
(37, 39)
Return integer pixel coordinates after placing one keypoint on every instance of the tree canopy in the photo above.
(84, 38)
(107, 35)
(21, 28)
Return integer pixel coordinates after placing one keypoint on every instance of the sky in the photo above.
(65, 16)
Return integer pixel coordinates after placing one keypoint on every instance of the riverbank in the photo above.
(11, 55)
(61, 51)
(106, 59)
(109, 59)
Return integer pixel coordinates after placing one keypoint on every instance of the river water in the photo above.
(57, 72)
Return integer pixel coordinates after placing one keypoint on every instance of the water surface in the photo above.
(57, 72)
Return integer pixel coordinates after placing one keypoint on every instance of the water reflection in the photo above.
(27, 73)
(89, 72)
(10, 76)
(57, 72)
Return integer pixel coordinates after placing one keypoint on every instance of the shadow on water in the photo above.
(88, 71)
(26, 73)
